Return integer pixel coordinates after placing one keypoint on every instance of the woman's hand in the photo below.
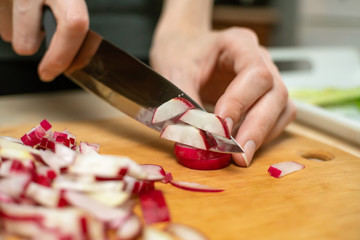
(231, 70)
(21, 24)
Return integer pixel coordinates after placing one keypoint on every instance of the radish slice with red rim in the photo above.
(154, 207)
(200, 159)
(281, 169)
(171, 109)
(206, 121)
(153, 172)
(196, 187)
(189, 135)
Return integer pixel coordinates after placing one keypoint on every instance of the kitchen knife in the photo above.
(124, 81)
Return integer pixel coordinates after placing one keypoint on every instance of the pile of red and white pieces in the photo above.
(52, 187)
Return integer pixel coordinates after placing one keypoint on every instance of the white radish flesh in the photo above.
(171, 109)
(206, 121)
(188, 135)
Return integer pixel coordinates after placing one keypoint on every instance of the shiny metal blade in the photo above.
(128, 84)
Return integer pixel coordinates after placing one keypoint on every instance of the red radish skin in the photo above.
(281, 169)
(171, 109)
(206, 121)
(189, 135)
(154, 207)
(200, 159)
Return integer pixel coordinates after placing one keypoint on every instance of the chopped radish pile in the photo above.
(52, 187)
(171, 109)
(199, 159)
(281, 169)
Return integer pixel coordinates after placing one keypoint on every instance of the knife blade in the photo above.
(125, 82)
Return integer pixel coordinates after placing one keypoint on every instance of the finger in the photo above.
(249, 85)
(27, 34)
(72, 25)
(6, 20)
(258, 122)
(287, 116)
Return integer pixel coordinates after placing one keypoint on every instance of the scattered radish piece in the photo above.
(189, 135)
(281, 169)
(171, 109)
(206, 121)
(200, 159)
(196, 187)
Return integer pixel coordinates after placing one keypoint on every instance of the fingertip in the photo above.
(244, 159)
(45, 75)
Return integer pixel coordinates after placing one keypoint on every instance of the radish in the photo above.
(171, 109)
(196, 187)
(206, 121)
(182, 231)
(281, 169)
(189, 135)
(200, 159)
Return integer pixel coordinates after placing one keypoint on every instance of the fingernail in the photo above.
(249, 150)
(230, 123)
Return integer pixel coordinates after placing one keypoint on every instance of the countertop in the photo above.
(78, 105)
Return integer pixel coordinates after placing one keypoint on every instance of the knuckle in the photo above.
(263, 76)
(243, 33)
(77, 24)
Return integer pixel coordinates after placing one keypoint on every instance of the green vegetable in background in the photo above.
(343, 101)
(328, 96)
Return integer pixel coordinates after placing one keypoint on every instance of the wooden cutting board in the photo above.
(321, 201)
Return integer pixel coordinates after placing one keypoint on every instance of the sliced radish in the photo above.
(130, 229)
(206, 121)
(171, 109)
(105, 166)
(152, 233)
(200, 159)
(110, 198)
(196, 187)
(43, 195)
(281, 169)
(189, 135)
(101, 211)
(154, 207)
(184, 232)
(15, 185)
(154, 172)
(86, 184)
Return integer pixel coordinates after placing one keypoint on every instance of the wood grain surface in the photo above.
(321, 201)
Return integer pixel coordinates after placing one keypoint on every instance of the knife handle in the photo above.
(49, 25)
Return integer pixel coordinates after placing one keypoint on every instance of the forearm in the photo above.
(185, 16)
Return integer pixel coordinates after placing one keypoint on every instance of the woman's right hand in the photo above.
(21, 24)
